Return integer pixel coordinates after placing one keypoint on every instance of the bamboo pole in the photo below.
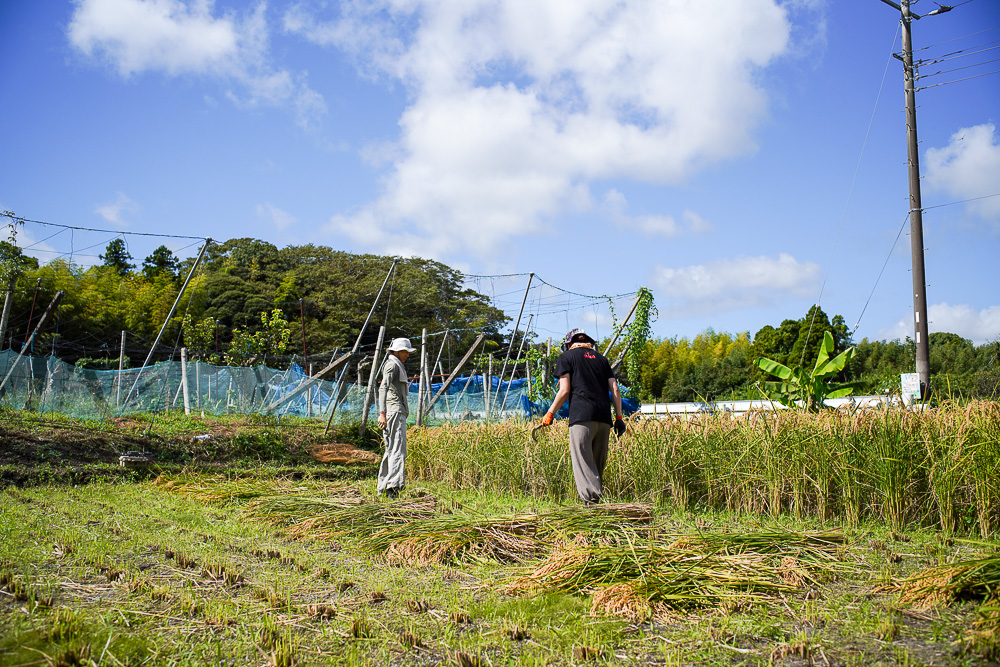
(503, 370)
(621, 327)
(488, 387)
(335, 402)
(121, 367)
(184, 380)
(456, 371)
(420, 382)
(166, 321)
(520, 347)
(332, 366)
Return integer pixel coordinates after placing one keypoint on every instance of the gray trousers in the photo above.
(588, 449)
(391, 472)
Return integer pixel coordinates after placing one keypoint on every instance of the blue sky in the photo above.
(741, 164)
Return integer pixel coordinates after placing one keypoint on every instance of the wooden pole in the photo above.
(184, 380)
(372, 377)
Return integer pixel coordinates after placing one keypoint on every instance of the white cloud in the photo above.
(116, 212)
(962, 319)
(616, 208)
(517, 106)
(179, 38)
(732, 284)
(968, 167)
(275, 216)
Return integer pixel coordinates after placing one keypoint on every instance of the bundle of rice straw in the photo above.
(977, 579)
(693, 571)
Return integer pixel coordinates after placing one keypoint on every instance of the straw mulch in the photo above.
(341, 454)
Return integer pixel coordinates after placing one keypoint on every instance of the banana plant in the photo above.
(799, 388)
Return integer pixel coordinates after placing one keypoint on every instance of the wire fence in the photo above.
(46, 384)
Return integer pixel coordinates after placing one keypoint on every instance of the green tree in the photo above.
(117, 257)
(248, 348)
(161, 261)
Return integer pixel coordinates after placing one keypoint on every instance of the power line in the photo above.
(956, 69)
(962, 201)
(945, 83)
(886, 263)
(955, 39)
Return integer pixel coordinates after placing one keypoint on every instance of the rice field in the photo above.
(834, 539)
(939, 468)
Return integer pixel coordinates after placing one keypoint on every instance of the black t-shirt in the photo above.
(589, 373)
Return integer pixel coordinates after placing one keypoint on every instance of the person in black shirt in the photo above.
(586, 379)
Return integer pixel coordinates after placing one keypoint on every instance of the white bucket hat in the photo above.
(400, 344)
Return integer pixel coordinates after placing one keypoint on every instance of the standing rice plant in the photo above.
(984, 445)
(850, 467)
(638, 463)
(823, 460)
(896, 461)
(552, 474)
(945, 436)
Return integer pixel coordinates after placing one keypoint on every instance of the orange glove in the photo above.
(547, 419)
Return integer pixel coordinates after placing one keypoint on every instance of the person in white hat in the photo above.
(588, 383)
(392, 413)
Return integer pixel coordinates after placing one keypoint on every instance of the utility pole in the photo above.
(916, 213)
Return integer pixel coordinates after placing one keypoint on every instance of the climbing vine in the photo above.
(634, 336)
(637, 334)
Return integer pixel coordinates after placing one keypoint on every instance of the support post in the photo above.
(488, 387)
(420, 384)
(372, 377)
(184, 380)
(121, 367)
(8, 301)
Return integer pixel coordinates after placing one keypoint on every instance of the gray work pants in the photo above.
(588, 449)
(391, 472)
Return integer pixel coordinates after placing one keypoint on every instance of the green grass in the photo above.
(139, 573)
